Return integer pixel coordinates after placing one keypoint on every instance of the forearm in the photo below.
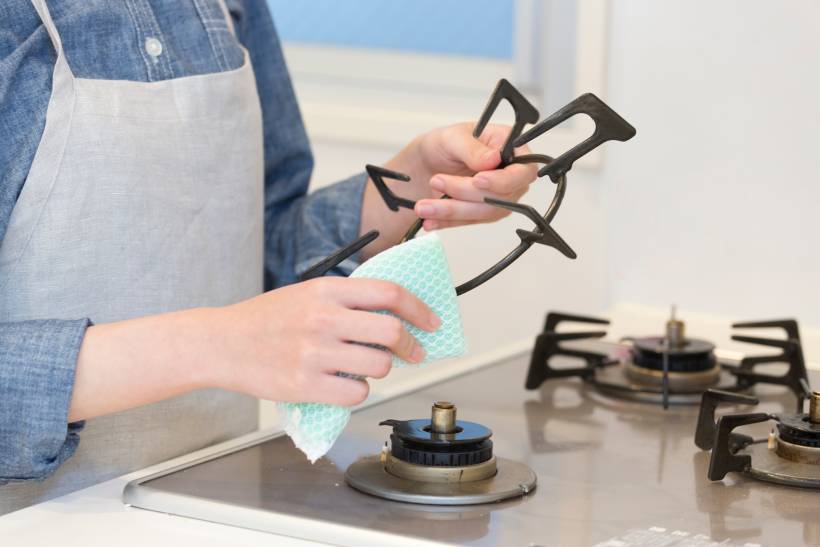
(140, 361)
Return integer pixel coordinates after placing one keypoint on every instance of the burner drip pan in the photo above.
(512, 479)
(768, 465)
(440, 461)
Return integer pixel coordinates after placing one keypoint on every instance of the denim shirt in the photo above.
(106, 39)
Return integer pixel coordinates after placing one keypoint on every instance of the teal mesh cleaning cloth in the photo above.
(420, 266)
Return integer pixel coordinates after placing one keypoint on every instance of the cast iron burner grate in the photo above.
(669, 369)
(789, 456)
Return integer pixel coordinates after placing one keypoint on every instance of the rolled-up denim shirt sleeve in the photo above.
(38, 360)
(315, 226)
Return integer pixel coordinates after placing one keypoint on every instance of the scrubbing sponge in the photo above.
(420, 266)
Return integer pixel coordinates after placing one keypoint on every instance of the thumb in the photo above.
(476, 155)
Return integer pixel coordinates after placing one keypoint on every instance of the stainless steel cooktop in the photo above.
(610, 472)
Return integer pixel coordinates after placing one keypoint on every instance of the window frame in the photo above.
(345, 95)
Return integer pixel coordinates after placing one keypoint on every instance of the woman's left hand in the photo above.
(466, 169)
(448, 160)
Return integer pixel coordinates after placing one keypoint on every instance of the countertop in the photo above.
(97, 515)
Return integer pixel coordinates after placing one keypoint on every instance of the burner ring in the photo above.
(449, 474)
(797, 453)
(678, 381)
(796, 429)
(693, 356)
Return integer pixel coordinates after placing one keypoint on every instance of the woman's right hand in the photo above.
(284, 345)
(290, 343)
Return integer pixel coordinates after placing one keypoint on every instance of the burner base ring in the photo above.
(512, 480)
(440, 473)
(614, 382)
(797, 453)
(768, 466)
(678, 381)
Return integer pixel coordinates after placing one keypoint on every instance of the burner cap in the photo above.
(692, 355)
(414, 441)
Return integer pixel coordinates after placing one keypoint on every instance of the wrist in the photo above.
(199, 348)
(411, 161)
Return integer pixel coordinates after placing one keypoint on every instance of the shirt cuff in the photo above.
(38, 360)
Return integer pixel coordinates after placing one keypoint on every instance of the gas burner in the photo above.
(440, 461)
(684, 364)
(669, 369)
(789, 456)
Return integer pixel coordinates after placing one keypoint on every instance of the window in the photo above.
(436, 27)
(382, 72)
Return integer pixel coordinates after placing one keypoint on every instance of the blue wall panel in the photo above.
(475, 28)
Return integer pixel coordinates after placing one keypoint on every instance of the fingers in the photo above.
(494, 135)
(382, 330)
(460, 145)
(432, 225)
(373, 294)
(512, 180)
(457, 187)
(468, 193)
(458, 211)
(361, 360)
(337, 390)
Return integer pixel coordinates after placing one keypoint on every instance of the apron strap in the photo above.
(228, 18)
(51, 28)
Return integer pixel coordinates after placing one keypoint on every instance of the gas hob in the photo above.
(610, 471)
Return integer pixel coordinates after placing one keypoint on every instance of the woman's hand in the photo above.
(288, 344)
(448, 161)
(284, 345)
(465, 168)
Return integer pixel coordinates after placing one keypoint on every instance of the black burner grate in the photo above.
(735, 377)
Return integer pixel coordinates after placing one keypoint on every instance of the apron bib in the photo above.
(143, 198)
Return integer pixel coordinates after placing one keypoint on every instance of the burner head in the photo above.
(412, 441)
(798, 435)
(690, 355)
(692, 364)
(440, 441)
(797, 429)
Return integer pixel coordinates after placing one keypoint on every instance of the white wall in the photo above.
(714, 203)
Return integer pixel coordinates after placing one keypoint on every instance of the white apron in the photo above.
(142, 198)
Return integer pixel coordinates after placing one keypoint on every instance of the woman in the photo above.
(153, 186)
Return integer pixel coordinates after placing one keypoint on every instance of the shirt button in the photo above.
(153, 47)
